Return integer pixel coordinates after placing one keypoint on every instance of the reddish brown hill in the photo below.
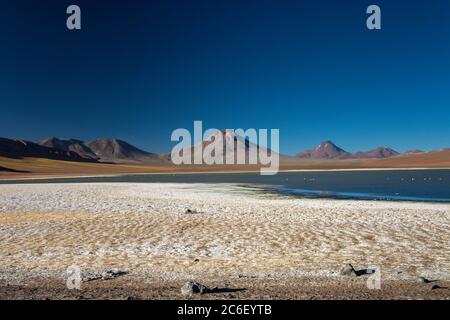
(74, 145)
(118, 151)
(378, 153)
(20, 148)
(325, 150)
(434, 159)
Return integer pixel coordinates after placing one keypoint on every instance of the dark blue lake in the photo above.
(413, 185)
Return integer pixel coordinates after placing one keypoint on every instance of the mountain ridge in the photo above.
(119, 151)
(103, 150)
(12, 148)
(327, 150)
(74, 145)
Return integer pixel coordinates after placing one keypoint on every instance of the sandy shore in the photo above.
(273, 247)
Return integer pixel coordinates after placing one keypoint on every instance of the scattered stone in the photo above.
(196, 260)
(435, 286)
(91, 277)
(348, 270)
(105, 275)
(190, 288)
(111, 274)
(424, 280)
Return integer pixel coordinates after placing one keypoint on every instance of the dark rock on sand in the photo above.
(105, 275)
(425, 280)
(435, 286)
(190, 288)
(111, 274)
(347, 270)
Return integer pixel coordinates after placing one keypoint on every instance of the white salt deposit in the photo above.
(143, 228)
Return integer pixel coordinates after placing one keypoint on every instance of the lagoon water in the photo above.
(410, 185)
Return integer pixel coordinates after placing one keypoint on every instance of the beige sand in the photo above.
(237, 233)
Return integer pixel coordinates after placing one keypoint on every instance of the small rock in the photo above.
(190, 211)
(348, 270)
(91, 276)
(435, 286)
(111, 274)
(424, 280)
(190, 287)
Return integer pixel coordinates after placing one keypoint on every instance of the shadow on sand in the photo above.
(224, 290)
(362, 272)
(11, 170)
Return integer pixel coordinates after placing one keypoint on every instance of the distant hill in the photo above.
(20, 148)
(377, 153)
(71, 157)
(327, 150)
(104, 150)
(414, 152)
(233, 145)
(118, 151)
(432, 159)
(74, 145)
(115, 151)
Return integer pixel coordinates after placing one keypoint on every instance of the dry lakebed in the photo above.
(146, 240)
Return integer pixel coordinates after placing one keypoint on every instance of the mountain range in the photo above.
(233, 145)
(20, 149)
(104, 150)
(328, 150)
(99, 150)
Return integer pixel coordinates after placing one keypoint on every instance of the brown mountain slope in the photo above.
(3, 169)
(35, 167)
(21, 148)
(325, 150)
(118, 151)
(377, 153)
(434, 159)
(104, 150)
(74, 145)
(40, 167)
(232, 146)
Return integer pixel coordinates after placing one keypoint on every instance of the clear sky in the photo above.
(139, 69)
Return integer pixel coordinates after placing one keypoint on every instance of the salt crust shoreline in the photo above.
(236, 232)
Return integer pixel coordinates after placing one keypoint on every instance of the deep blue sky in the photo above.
(139, 69)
